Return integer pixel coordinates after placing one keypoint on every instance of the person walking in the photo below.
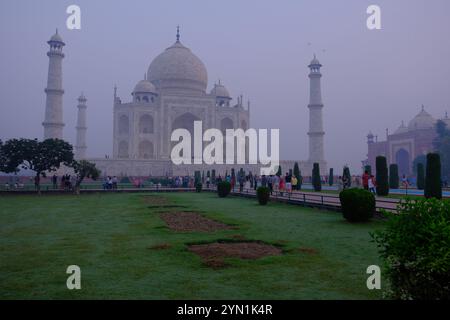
(372, 185)
(365, 180)
(55, 181)
(288, 180)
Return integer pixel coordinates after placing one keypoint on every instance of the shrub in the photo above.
(279, 172)
(358, 205)
(368, 168)
(317, 184)
(331, 177)
(199, 187)
(263, 194)
(433, 187)
(415, 247)
(298, 175)
(393, 176)
(382, 176)
(420, 176)
(223, 189)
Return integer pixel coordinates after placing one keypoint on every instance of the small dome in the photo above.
(144, 86)
(422, 121)
(401, 129)
(178, 68)
(315, 62)
(219, 90)
(56, 38)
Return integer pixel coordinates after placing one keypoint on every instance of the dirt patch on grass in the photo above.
(308, 250)
(156, 200)
(213, 254)
(161, 246)
(192, 221)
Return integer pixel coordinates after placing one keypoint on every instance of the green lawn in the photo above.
(109, 236)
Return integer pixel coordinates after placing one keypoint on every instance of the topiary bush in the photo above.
(415, 247)
(382, 179)
(263, 194)
(420, 176)
(331, 177)
(433, 185)
(358, 205)
(223, 189)
(394, 180)
(316, 182)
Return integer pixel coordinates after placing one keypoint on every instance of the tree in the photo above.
(298, 175)
(442, 146)
(394, 180)
(331, 177)
(382, 176)
(420, 176)
(279, 172)
(84, 169)
(433, 186)
(346, 173)
(368, 168)
(40, 157)
(419, 159)
(316, 182)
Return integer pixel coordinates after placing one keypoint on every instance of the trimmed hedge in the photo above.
(263, 194)
(433, 186)
(420, 176)
(223, 189)
(382, 176)
(394, 180)
(358, 205)
(316, 182)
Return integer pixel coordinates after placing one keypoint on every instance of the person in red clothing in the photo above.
(365, 180)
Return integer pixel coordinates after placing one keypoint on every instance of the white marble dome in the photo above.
(56, 38)
(144, 86)
(220, 90)
(422, 121)
(177, 68)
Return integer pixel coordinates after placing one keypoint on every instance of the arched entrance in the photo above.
(402, 158)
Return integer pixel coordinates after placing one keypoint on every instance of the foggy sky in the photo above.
(372, 80)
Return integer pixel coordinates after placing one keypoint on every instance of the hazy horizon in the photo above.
(372, 80)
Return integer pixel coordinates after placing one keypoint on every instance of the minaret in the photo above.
(53, 123)
(80, 146)
(316, 132)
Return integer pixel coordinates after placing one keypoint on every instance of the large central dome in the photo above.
(177, 68)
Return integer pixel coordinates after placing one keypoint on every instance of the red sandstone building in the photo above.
(406, 143)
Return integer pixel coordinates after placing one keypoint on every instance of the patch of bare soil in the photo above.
(213, 254)
(155, 200)
(161, 246)
(308, 250)
(192, 221)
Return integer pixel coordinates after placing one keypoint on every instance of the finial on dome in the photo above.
(178, 33)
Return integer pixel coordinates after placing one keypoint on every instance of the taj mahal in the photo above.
(172, 94)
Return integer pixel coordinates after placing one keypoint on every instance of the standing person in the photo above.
(294, 182)
(114, 182)
(207, 182)
(63, 182)
(288, 180)
(372, 185)
(340, 183)
(264, 180)
(365, 180)
(270, 181)
(281, 185)
(405, 182)
(55, 181)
